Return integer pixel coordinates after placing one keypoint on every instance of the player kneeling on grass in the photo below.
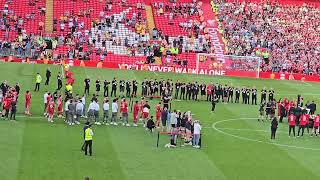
(150, 124)
(196, 134)
(316, 122)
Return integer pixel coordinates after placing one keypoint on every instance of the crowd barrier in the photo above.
(179, 70)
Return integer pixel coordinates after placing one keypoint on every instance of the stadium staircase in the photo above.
(150, 18)
(49, 16)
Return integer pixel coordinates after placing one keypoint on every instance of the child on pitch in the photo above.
(261, 111)
(106, 108)
(124, 112)
(316, 123)
(135, 114)
(145, 114)
(150, 124)
(27, 103)
(50, 110)
(60, 106)
(173, 138)
(164, 117)
(158, 114)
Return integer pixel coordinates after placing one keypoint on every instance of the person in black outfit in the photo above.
(195, 91)
(121, 87)
(244, 98)
(271, 94)
(59, 81)
(177, 89)
(98, 86)
(282, 112)
(134, 87)
(237, 95)
(225, 94)
(254, 96)
(144, 88)
(87, 86)
(263, 95)
(247, 96)
(13, 110)
(230, 97)
(203, 90)
(188, 94)
(48, 75)
(17, 88)
(183, 90)
(313, 107)
(114, 87)
(214, 101)
(128, 88)
(106, 88)
(274, 127)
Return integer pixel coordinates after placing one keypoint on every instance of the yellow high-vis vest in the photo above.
(38, 78)
(88, 136)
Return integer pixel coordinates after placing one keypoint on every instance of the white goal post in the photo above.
(229, 62)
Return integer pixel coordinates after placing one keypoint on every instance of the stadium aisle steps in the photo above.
(150, 18)
(49, 16)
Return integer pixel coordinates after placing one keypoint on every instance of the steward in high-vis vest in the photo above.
(38, 81)
(88, 134)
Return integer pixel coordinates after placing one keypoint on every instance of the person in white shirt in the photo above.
(45, 96)
(79, 111)
(83, 100)
(114, 112)
(66, 109)
(196, 134)
(96, 113)
(106, 112)
(174, 119)
(91, 111)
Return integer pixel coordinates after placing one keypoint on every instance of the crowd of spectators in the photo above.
(289, 33)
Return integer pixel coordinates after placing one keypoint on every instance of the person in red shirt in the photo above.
(302, 123)
(27, 102)
(6, 106)
(135, 113)
(158, 114)
(124, 111)
(50, 110)
(316, 123)
(48, 101)
(142, 102)
(60, 106)
(292, 124)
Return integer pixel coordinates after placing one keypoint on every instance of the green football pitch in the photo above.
(235, 145)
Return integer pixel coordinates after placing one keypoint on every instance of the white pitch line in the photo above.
(256, 140)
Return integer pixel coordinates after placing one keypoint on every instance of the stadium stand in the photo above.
(285, 33)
